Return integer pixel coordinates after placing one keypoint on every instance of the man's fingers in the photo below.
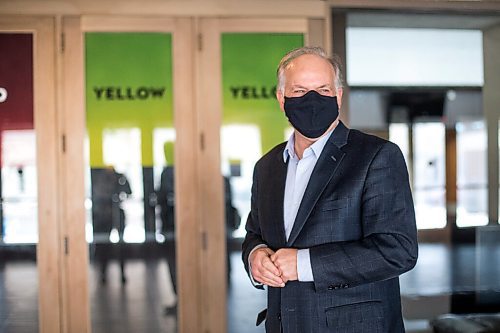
(269, 265)
(264, 276)
(263, 269)
(270, 272)
(271, 282)
(269, 251)
(270, 275)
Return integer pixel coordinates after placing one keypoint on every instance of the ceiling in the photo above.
(420, 20)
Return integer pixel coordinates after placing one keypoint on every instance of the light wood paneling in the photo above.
(284, 25)
(187, 8)
(76, 307)
(188, 211)
(316, 33)
(48, 250)
(127, 24)
(232, 8)
(213, 226)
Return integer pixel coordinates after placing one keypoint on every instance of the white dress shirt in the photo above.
(297, 177)
(298, 174)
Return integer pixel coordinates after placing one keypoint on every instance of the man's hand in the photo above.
(286, 261)
(263, 269)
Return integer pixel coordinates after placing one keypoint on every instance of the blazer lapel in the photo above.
(328, 163)
(278, 182)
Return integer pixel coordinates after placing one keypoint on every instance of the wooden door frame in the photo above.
(76, 304)
(47, 143)
(187, 215)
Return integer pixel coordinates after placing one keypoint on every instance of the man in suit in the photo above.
(332, 223)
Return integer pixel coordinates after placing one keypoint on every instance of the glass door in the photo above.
(130, 197)
(29, 235)
(134, 207)
(241, 122)
(18, 183)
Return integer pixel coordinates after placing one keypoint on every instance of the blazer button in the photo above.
(279, 316)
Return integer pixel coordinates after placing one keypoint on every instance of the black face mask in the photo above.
(311, 114)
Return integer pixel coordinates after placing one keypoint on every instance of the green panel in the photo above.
(249, 62)
(128, 84)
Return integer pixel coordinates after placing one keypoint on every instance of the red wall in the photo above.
(16, 76)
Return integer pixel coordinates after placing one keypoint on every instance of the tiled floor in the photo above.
(138, 305)
(18, 297)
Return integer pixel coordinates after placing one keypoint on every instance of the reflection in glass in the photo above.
(129, 170)
(399, 134)
(19, 186)
(429, 175)
(252, 120)
(18, 178)
(163, 159)
(241, 148)
(130, 138)
(471, 174)
(129, 119)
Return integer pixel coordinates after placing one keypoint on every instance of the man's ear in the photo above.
(281, 99)
(340, 91)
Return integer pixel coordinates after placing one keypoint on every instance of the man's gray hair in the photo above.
(316, 50)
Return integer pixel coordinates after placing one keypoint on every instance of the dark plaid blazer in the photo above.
(357, 219)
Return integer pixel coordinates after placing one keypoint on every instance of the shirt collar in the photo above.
(316, 147)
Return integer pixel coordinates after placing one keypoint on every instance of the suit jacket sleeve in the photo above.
(389, 245)
(253, 236)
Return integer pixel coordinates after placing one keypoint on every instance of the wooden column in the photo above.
(49, 232)
(211, 195)
(75, 258)
(187, 184)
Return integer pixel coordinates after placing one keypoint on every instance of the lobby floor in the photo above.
(138, 305)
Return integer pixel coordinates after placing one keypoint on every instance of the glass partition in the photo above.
(252, 120)
(129, 101)
(429, 175)
(472, 191)
(400, 135)
(18, 186)
(130, 190)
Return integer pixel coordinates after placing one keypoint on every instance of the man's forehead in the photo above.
(308, 59)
